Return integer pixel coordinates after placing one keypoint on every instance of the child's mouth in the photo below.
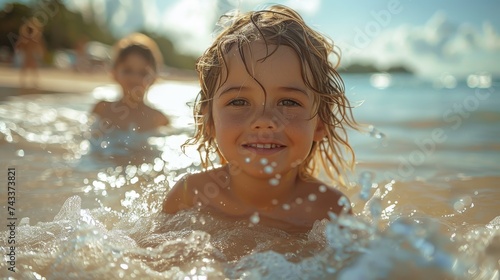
(264, 148)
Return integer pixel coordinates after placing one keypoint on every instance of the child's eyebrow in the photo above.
(280, 88)
(294, 89)
(232, 88)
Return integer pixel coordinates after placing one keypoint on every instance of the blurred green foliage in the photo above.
(65, 29)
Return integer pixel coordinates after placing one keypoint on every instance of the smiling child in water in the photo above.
(273, 108)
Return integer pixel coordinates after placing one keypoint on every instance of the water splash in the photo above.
(365, 182)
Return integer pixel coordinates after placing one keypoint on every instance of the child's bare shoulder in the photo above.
(101, 108)
(155, 116)
(184, 193)
(325, 198)
(159, 118)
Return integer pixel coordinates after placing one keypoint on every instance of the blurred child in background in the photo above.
(124, 125)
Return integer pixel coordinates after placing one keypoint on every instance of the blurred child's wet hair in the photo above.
(280, 26)
(141, 44)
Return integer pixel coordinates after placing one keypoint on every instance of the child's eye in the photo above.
(238, 102)
(288, 103)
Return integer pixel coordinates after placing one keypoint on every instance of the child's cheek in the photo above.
(235, 117)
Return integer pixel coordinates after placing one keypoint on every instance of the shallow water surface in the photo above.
(425, 193)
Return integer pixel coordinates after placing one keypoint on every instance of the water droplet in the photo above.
(104, 144)
(247, 160)
(255, 219)
(274, 202)
(462, 204)
(124, 266)
(299, 200)
(322, 188)
(263, 161)
(274, 164)
(375, 208)
(20, 153)
(286, 206)
(365, 182)
(268, 169)
(274, 182)
(344, 203)
(376, 133)
(277, 176)
(312, 197)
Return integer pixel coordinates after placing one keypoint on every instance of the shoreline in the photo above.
(53, 80)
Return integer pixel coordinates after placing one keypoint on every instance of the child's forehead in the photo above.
(134, 57)
(270, 66)
(252, 54)
(259, 56)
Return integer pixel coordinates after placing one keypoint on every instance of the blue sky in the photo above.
(433, 37)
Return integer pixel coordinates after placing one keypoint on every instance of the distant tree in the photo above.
(370, 68)
(358, 68)
(62, 29)
(65, 29)
(12, 17)
(171, 56)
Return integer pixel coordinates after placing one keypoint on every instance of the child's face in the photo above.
(135, 75)
(271, 124)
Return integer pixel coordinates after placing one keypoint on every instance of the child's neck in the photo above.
(259, 193)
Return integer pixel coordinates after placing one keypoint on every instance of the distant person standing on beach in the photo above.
(31, 47)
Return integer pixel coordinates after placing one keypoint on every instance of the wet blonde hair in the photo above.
(140, 44)
(279, 26)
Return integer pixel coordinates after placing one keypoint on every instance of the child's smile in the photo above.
(265, 114)
(264, 148)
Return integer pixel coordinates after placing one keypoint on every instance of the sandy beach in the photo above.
(59, 80)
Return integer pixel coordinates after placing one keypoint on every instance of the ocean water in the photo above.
(425, 193)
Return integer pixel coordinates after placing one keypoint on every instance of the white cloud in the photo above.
(126, 16)
(438, 46)
(309, 8)
(190, 22)
(152, 20)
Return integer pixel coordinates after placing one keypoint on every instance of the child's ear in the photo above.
(320, 131)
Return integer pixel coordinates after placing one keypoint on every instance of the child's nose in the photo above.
(265, 119)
